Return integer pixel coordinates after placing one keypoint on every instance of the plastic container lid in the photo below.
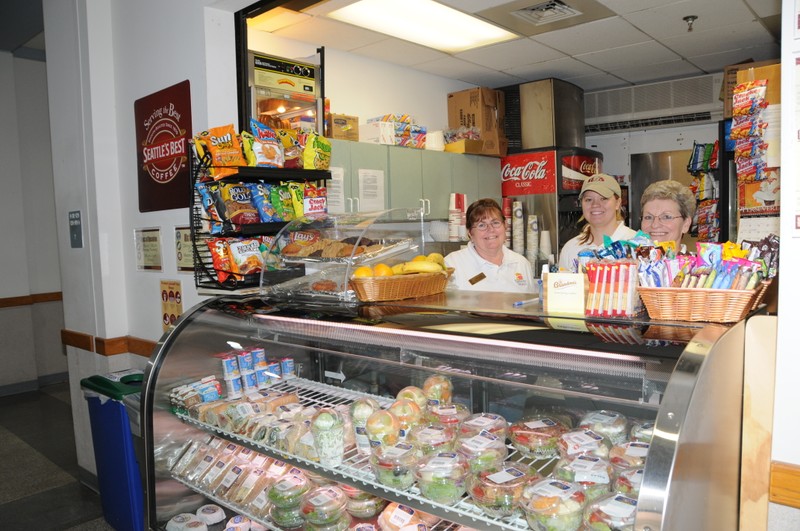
(554, 502)
(616, 511)
(442, 477)
(476, 423)
(366, 507)
(393, 466)
(341, 524)
(288, 490)
(499, 489)
(433, 437)
(382, 428)
(115, 385)
(629, 455)
(583, 442)
(287, 517)
(484, 450)
(629, 481)
(642, 431)
(449, 414)
(324, 505)
(537, 436)
(593, 473)
(611, 424)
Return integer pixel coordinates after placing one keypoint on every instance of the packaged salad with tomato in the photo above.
(442, 477)
(537, 436)
(555, 505)
(615, 512)
(498, 490)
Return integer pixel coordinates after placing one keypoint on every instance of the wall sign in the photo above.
(183, 249)
(528, 173)
(148, 249)
(163, 128)
(171, 303)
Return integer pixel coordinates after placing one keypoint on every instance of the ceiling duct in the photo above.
(546, 12)
(662, 104)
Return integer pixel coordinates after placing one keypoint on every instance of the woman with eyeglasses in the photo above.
(486, 264)
(601, 202)
(667, 211)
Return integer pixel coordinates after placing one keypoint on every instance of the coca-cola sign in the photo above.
(575, 168)
(528, 173)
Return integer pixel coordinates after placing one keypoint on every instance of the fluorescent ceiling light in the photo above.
(424, 22)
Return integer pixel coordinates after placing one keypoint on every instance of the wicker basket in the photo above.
(399, 287)
(700, 304)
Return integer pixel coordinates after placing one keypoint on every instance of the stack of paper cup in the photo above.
(507, 210)
(532, 237)
(453, 220)
(517, 228)
(545, 248)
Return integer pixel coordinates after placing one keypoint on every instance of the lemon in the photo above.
(383, 270)
(363, 271)
(419, 258)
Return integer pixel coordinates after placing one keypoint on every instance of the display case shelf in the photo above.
(355, 468)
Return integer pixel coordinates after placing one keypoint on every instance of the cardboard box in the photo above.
(483, 108)
(474, 147)
(730, 81)
(343, 127)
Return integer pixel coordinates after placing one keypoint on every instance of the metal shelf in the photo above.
(355, 468)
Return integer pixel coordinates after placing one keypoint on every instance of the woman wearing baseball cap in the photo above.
(601, 199)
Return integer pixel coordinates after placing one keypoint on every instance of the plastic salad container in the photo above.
(365, 507)
(327, 428)
(393, 466)
(323, 505)
(642, 431)
(484, 450)
(287, 517)
(478, 422)
(414, 393)
(432, 438)
(583, 441)
(499, 489)
(592, 473)
(383, 429)
(442, 477)
(438, 389)
(555, 505)
(360, 411)
(288, 491)
(628, 482)
(448, 414)
(343, 523)
(629, 455)
(408, 414)
(615, 512)
(537, 436)
(610, 424)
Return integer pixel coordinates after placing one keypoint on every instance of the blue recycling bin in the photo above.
(118, 474)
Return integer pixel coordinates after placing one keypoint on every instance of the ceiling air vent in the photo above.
(546, 12)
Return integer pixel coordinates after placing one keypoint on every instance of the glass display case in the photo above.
(659, 397)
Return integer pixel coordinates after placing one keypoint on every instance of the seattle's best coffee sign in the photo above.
(163, 127)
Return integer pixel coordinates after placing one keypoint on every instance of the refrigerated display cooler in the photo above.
(678, 386)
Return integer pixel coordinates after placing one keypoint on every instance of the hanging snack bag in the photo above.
(267, 148)
(259, 195)
(315, 200)
(221, 258)
(246, 256)
(298, 194)
(239, 208)
(317, 153)
(292, 150)
(749, 97)
(281, 199)
(211, 221)
(222, 149)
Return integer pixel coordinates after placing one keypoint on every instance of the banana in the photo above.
(397, 269)
(436, 258)
(421, 266)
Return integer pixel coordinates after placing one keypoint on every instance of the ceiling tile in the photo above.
(561, 68)
(667, 21)
(510, 54)
(454, 68)
(473, 6)
(326, 32)
(399, 52)
(765, 8)
(716, 62)
(607, 33)
(657, 72)
(633, 55)
(630, 6)
(720, 40)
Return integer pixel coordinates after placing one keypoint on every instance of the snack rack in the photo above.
(205, 275)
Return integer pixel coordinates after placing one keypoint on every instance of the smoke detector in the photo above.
(546, 12)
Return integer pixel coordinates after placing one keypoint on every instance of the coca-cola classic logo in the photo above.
(530, 171)
(588, 168)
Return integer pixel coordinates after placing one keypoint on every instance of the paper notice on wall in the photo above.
(171, 303)
(371, 186)
(335, 186)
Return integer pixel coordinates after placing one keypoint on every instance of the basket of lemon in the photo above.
(420, 277)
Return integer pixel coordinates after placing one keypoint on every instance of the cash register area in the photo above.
(39, 486)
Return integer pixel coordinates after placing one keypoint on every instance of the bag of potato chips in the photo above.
(317, 153)
(223, 148)
(267, 148)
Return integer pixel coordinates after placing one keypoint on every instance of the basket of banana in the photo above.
(420, 277)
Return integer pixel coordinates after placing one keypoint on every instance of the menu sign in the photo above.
(163, 128)
(528, 173)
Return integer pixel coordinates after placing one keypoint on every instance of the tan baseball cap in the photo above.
(603, 184)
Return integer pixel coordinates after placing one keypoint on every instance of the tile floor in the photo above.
(39, 487)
